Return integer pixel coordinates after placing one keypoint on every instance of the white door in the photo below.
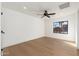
(3, 29)
(0, 29)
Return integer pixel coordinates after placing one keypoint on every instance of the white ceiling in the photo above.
(35, 8)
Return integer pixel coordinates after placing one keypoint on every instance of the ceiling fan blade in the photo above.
(39, 14)
(48, 16)
(42, 16)
(52, 14)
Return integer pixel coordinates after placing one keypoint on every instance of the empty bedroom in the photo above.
(39, 28)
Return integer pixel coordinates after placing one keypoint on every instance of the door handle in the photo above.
(2, 32)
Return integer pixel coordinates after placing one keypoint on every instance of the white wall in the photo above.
(20, 27)
(71, 36)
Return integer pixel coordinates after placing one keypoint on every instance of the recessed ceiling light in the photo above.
(25, 7)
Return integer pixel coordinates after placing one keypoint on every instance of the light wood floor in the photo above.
(42, 47)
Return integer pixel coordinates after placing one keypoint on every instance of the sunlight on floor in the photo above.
(70, 43)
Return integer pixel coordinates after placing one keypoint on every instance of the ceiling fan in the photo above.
(47, 14)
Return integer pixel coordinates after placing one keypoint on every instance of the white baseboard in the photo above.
(25, 40)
